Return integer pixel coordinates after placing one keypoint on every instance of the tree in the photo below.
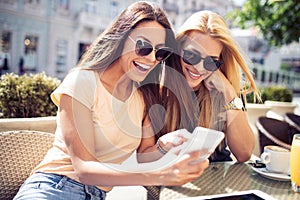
(278, 20)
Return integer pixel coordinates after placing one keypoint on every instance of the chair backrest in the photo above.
(293, 120)
(152, 192)
(20, 152)
(274, 132)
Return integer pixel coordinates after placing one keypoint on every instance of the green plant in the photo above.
(27, 95)
(279, 93)
(272, 93)
(285, 66)
(278, 20)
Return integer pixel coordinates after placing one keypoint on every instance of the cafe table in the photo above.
(228, 177)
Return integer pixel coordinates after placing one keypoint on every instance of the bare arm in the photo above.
(148, 149)
(76, 121)
(239, 135)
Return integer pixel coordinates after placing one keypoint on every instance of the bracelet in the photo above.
(160, 149)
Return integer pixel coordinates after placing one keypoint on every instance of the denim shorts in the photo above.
(57, 187)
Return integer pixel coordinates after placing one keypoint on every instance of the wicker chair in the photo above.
(20, 152)
(152, 192)
(274, 132)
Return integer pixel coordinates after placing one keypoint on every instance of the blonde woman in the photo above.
(219, 75)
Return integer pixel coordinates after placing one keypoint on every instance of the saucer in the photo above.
(271, 175)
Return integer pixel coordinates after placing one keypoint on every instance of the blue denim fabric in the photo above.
(57, 187)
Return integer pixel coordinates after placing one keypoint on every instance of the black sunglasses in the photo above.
(144, 48)
(193, 58)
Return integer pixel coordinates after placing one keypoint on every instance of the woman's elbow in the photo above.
(83, 173)
(82, 176)
(243, 157)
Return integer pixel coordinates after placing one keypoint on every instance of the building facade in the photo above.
(51, 35)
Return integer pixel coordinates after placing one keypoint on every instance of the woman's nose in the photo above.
(200, 68)
(151, 56)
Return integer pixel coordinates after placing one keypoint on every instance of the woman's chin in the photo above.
(194, 83)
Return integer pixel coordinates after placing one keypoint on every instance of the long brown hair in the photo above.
(107, 48)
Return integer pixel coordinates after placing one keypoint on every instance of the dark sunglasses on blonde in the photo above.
(193, 58)
(144, 48)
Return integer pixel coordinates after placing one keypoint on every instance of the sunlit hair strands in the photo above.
(208, 33)
(210, 23)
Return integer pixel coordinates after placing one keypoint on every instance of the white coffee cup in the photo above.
(276, 158)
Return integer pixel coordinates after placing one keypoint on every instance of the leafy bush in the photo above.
(27, 95)
(273, 93)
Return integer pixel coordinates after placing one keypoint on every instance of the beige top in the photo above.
(117, 124)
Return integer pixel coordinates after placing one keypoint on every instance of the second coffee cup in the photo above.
(276, 158)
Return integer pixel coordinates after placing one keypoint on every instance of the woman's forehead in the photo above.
(203, 42)
(151, 30)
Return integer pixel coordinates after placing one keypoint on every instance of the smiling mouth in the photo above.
(141, 67)
(193, 75)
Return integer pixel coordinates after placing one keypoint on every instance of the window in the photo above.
(61, 55)
(114, 9)
(90, 7)
(82, 49)
(32, 2)
(63, 4)
(10, 2)
(33, 6)
(62, 7)
(5, 44)
(5, 50)
(30, 52)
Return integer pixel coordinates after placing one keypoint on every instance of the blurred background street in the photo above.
(50, 36)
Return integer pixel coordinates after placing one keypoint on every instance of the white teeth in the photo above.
(143, 65)
(196, 75)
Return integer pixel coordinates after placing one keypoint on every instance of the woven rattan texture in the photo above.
(152, 192)
(222, 178)
(20, 152)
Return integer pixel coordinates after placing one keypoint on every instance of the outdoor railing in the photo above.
(265, 77)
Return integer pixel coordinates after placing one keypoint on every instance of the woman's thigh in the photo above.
(56, 187)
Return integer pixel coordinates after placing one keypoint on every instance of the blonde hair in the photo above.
(211, 103)
(208, 22)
